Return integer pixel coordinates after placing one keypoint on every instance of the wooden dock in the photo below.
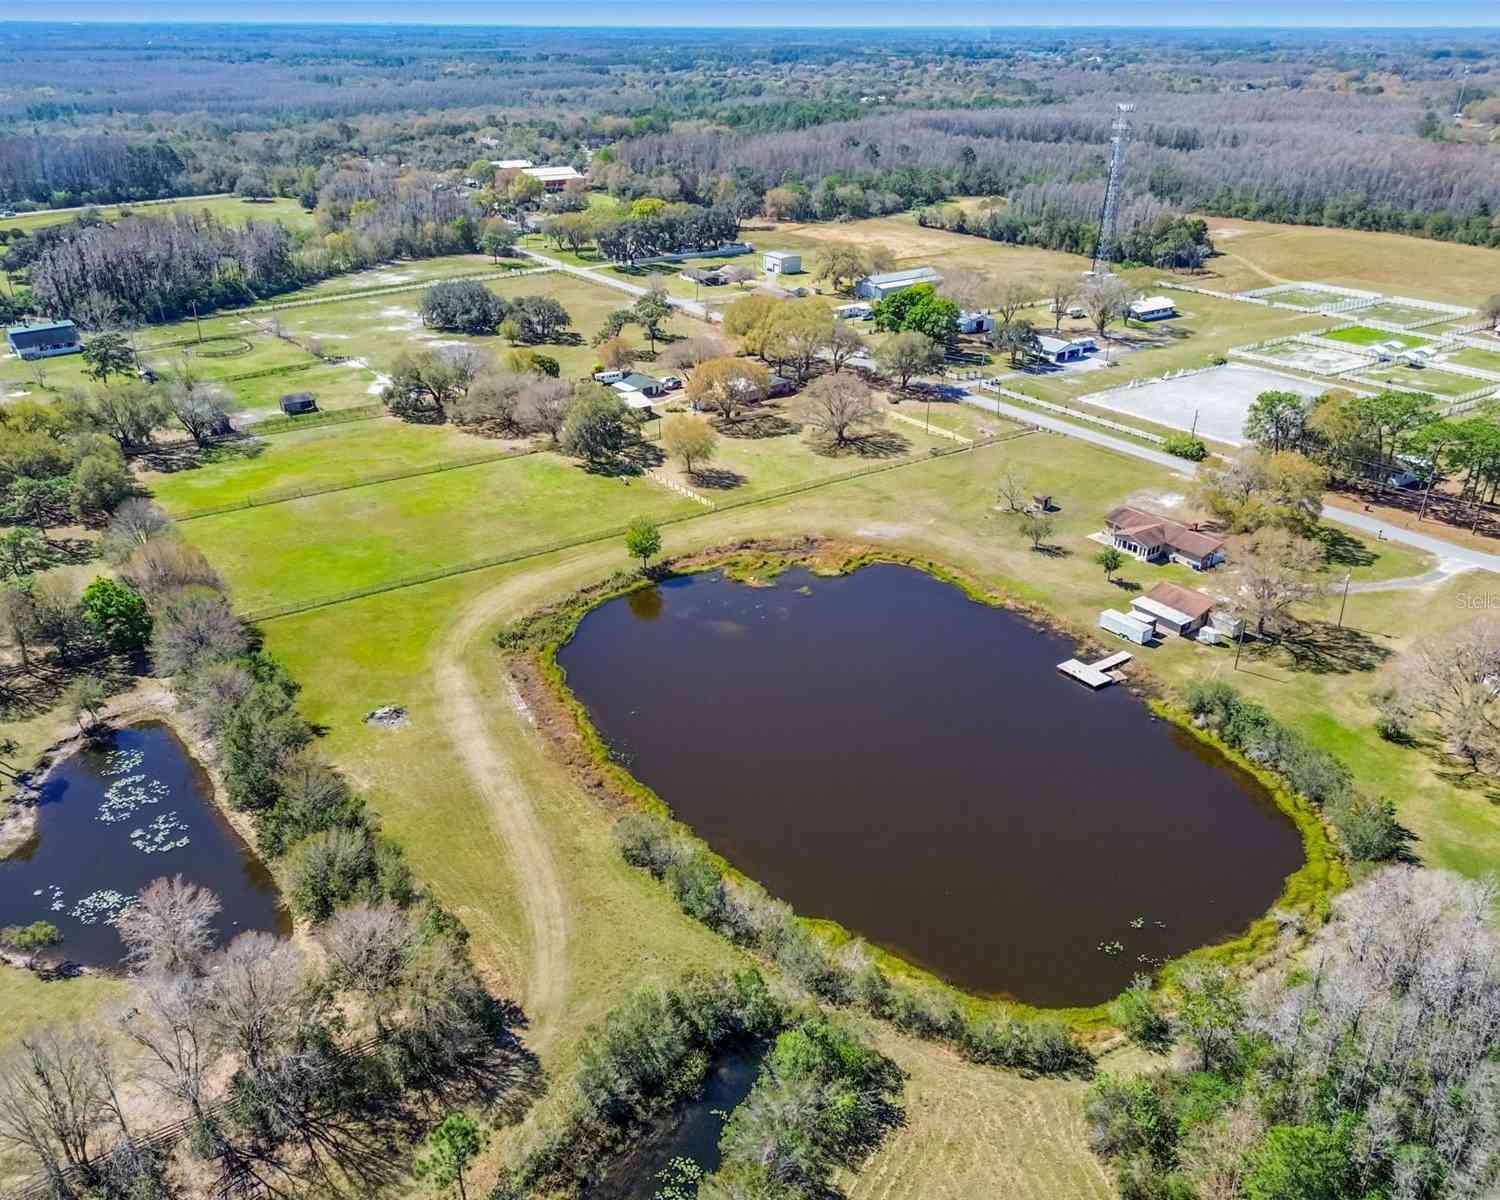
(1095, 674)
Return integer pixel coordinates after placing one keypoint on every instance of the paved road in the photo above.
(692, 307)
(1451, 558)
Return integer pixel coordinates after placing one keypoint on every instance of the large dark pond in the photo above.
(881, 750)
(114, 817)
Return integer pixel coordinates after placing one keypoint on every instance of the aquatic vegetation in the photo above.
(128, 794)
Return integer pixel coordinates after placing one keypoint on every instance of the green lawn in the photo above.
(366, 537)
(1472, 356)
(1363, 335)
(321, 456)
(1397, 313)
(1421, 379)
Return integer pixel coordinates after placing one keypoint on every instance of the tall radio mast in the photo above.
(1109, 219)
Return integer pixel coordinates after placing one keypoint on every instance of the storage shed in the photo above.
(781, 262)
(45, 339)
(1173, 608)
(295, 404)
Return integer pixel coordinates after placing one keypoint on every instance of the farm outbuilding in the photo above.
(1174, 608)
(295, 404)
(878, 287)
(1153, 308)
(1062, 350)
(781, 262)
(554, 179)
(975, 322)
(45, 339)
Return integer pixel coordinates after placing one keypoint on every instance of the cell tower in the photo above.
(1109, 219)
(1458, 105)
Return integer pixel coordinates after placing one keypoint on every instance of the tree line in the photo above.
(1361, 1067)
(141, 269)
(254, 1042)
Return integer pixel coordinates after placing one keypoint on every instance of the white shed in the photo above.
(878, 287)
(781, 262)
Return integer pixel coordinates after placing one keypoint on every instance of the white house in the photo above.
(1153, 308)
(975, 322)
(878, 287)
(511, 164)
(781, 262)
(639, 391)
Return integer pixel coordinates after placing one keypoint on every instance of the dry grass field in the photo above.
(1253, 254)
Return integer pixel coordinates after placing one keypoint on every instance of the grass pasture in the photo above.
(1472, 356)
(1256, 254)
(303, 550)
(375, 329)
(1307, 297)
(1363, 335)
(233, 210)
(1397, 313)
(319, 457)
(1433, 380)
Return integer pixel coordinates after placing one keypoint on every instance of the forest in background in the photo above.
(1344, 129)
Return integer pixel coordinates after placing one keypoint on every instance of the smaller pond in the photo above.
(115, 816)
(691, 1133)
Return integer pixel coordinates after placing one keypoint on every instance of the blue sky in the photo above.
(864, 13)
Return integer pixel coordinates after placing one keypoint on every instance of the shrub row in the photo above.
(1366, 825)
(745, 913)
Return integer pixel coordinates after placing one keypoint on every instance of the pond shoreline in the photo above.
(534, 641)
(149, 702)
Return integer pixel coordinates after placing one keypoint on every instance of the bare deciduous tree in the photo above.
(1062, 292)
(169, 928)
(169, 1020)
(56, 1096)
(1105, 298)
(543, 407)
(840, 405)
(1452, 677)
(164, 564)
(195, 626)
(1011, 299)
(1275, 571)
(844, 342)
(257, 994)
(134, 523)
(368, 950)
(1014, 487)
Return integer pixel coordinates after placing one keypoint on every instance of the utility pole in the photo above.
(1348, 575)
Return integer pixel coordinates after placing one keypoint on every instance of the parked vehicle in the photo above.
(671, 383)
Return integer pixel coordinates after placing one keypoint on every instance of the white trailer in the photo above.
(1129, 626)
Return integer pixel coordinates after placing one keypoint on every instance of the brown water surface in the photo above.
(881, 750)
